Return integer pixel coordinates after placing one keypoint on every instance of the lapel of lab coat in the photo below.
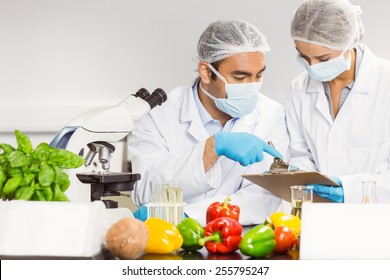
(366, 74)
(189, 113)
(363, 80)
(321, 103)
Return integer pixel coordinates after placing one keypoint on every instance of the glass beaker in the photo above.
(300, 195)
(369, 191)
(166, 201)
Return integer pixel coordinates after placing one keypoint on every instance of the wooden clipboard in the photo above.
(279, 184)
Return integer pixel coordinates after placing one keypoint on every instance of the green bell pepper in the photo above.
(191, 231)
(258, 241)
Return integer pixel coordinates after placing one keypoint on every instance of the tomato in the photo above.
(285, 239)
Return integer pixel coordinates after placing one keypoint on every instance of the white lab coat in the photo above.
(356, 145)
(168, 144)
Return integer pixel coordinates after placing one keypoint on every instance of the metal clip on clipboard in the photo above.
(278, 166)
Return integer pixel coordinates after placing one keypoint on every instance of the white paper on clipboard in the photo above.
(279, 184)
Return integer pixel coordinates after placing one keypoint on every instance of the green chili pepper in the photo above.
(191, 231)
(24, 143)
(12, 184)
(258, 241)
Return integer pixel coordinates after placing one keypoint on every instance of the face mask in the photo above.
(328, 70)
(241, 98)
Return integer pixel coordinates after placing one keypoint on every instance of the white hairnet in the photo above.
(226, 38)
(335, 24)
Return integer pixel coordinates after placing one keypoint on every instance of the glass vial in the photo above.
(300, 195)
(369, 191)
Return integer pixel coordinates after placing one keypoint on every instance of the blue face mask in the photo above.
(328, 70)
(241, 97)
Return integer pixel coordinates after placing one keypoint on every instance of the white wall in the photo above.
(60, 58)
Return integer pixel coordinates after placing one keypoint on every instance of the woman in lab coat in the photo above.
(338, 110)
(209, 133)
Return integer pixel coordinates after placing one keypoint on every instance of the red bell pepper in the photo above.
(225, 209)
(223, 235)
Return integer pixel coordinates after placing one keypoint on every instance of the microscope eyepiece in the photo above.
(142, 93)
(157, 97)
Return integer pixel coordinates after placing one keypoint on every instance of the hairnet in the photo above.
(226, 38)
(335, 24)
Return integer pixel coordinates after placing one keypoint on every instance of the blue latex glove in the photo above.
(242, 147)
(142, 213)
(292, 168)
(332, 193)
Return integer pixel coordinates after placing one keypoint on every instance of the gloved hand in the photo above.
(141, 213)
(242, 147)
(332, 193)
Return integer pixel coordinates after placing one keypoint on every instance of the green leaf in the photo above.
(24, 143)
(12, 184)
(62, 179)
(66, 159)
(59, 195)
(48, 192)
(46, 175)
(35, 166)
(42, 152)
(39, 195)
(18, 159)
(7, 149)
(26, 193)
(3, 177)
(14, 172)
(27, 179)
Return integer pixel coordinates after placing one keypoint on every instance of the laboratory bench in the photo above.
(181, 254)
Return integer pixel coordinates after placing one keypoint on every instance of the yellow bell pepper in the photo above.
(164, 237)
(282, 219)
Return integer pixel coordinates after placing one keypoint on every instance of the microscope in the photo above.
(96, 132)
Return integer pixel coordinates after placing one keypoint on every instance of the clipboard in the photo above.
(279, 184)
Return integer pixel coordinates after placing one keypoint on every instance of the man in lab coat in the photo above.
(210, 133)
(338, 110)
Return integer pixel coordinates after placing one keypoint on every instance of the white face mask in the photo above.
(327, 70)
(241, 97)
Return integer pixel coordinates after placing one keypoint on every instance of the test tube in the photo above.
(369, 191)
(166, 201)
(300, 195)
